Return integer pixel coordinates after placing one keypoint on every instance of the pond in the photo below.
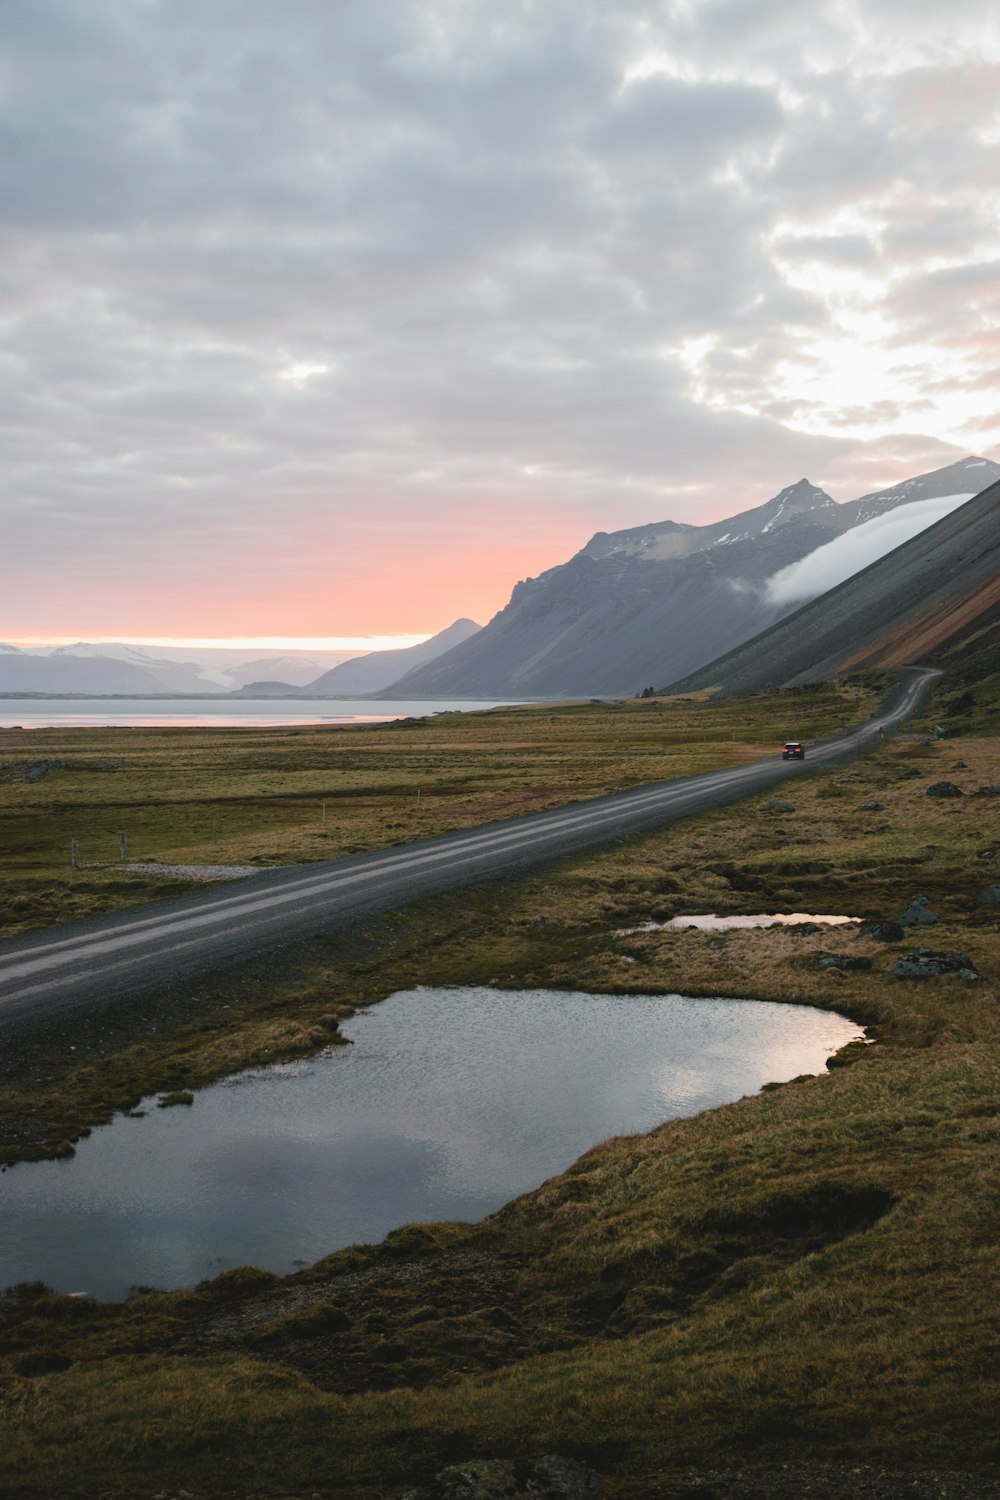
(450, 1103)
(709, 922)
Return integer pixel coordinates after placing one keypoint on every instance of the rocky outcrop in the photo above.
(918, 914)
(926, 963)
(551, 1477)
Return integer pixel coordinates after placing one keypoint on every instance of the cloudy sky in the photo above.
(334, 319)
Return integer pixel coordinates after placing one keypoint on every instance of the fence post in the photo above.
(74, 854)
(122, 848)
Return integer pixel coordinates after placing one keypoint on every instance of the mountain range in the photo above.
(654, 603)
(667, 602)
(940, 587)
(119, 668)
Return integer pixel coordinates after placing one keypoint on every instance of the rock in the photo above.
(546, 1478)
(926, 963)
(987, 791)
(843, 961)
(882, 932)
(802, 929)
(918, 914)
(871, 806)
(779, 807)
(987, 854)
(960, 766)
(989, 896)
(912, 774)
(944, 789)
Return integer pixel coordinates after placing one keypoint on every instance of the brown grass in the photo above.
(809, 1275)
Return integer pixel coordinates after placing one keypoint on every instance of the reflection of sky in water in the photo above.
(450, 1103)
(217, 713)
(711, 923)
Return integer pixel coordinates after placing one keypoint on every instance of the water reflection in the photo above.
(712, 923)
(450, 1103)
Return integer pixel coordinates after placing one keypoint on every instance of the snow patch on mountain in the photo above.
(838, 560)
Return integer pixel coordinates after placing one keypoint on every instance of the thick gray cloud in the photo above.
(319, 296)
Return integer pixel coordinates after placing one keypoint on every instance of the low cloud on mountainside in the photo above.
(848, 554)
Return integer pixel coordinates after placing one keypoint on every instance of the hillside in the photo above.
(939, 586)
(638, 606)
(367, 674)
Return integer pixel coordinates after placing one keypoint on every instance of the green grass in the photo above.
(807, 1276)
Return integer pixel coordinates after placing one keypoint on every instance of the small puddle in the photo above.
(450, 1103)
(712, 923)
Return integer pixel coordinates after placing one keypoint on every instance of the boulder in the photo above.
(989, 896)
(882, 932)
(926, 963)
(547, 1478)
(871, 806)
(843, 961)
(779, 806)
(944, 789)
(987, 854)
(987, 791)
(918, 914)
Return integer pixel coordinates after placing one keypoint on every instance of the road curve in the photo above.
(77, 965)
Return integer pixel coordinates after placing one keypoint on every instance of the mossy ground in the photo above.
(807, 1276)
(282, 796)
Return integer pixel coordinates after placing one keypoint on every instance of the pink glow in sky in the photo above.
(337, 321)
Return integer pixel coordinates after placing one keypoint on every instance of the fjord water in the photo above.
(218, 713)
(449, 1103)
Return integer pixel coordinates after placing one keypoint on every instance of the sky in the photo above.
(332, 321)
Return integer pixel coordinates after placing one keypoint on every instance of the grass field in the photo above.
(808, 1276)
(281, 796)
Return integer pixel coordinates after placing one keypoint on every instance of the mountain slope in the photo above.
(901, 609)
(367, 674)
(652, 602)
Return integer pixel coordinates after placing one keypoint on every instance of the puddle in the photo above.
(449, 1104)
(712, 923)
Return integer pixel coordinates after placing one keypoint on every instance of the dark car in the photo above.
(793, 751)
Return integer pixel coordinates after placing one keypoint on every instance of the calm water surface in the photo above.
(67, 713)
(709, 922)
(450, 1103)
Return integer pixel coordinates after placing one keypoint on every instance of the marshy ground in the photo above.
(801, 1284)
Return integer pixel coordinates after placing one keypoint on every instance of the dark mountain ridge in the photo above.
(638, 606)
(901, 609)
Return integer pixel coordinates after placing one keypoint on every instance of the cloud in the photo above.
(856, 549)
(560, 269)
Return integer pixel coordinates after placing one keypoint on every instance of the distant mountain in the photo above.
(367, 674)
(637, 607)
(73, 674)
(118, 667)
(295, 668)
(168, 676)
(907, 607)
